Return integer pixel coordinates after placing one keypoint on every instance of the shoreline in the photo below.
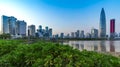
(85, 40)
(116, 54)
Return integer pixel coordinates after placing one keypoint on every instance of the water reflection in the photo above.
(112, 47)
(103, 46)
(99, 46)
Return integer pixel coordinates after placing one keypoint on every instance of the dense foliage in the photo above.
(15, 53)
(5, 36)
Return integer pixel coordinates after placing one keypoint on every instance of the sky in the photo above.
(63, 15)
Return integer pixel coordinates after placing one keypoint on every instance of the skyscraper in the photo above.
(67, 36)
(94, 33)
(77, 34)
(40, 28)
(8, 25)
(46, 32)
(88, 35)
(61, 35)
(82, 34)
(31, 29)
(72, 34)
(46, 28)
(50, 32)
(4, 24)
(40, 31)
(21, 28)
(102, 27)
(112, 28)
(12, 27)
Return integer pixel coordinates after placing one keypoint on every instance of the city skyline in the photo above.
(63, 16)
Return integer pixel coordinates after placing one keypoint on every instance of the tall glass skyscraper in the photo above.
(4, 25)
(102, 27)
(8, 25)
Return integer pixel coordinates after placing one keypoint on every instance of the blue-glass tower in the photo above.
(102, 27)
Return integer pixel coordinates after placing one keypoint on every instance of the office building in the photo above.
(50, 32)
(8, 25)
(56, 36)
(112, 28)
(94, 33)
(77, 34)
(72, 34)
(46, 28)
(82, 34)
(67, 36)
(21, 28)
(62, 35)
(88, 35)
(31, 30)
(4, 24)
(102, 26)
(40, 29)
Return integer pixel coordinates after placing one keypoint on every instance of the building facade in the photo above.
(88, 35)
(4, 24)
(31, 30)
(72, 35)
(21, 28)
(12, 26)
(82, 34)
(8, 25)
(61, 35)
(94, 33)
(77, 34)
(50, 33)
(102, 26)
(112, 28)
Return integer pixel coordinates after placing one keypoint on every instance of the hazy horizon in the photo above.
(63, 15)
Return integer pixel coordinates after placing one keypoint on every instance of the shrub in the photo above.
(47, 54)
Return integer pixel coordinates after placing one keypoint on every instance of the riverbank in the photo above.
(86, 39)
(116, 54)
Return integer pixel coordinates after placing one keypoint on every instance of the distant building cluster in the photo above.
(44, 33)
(79, 34)
(12, 26)
(41, 33)
(18, 29)
(95, 33)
